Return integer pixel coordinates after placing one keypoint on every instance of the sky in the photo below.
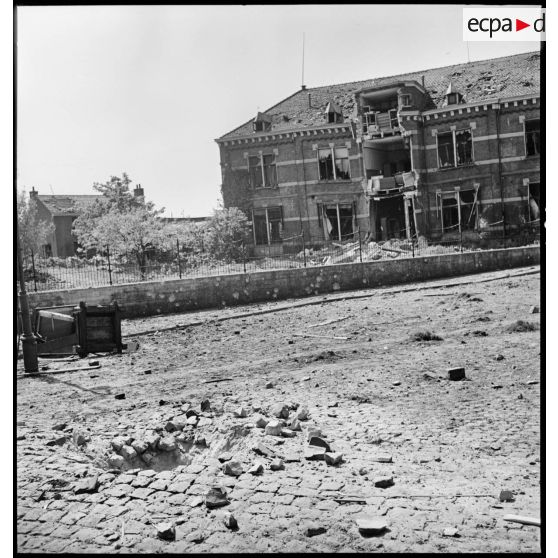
(145, 90)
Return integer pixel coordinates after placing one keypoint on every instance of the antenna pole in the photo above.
(302, 60)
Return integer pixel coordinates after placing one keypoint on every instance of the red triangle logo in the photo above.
(519, 25)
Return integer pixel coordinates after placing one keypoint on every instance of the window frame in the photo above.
(333, 163)
(260, 156)
(525, 136)
(266, 211)
(454, 140)
(456, 195)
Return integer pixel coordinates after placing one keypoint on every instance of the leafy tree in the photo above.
(127, 224)
(33, 232)
(227, 232)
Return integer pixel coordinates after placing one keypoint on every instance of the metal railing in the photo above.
(297, 251)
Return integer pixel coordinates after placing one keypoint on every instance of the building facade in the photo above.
(442, 153)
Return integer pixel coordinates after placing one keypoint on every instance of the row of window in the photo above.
(455, 148)
(333, 164)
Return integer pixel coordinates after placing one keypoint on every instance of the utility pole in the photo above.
(28, 341)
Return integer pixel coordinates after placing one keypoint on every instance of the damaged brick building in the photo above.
(440, 153)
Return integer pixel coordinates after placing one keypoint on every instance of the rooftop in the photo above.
(508, 76)
(66, 204)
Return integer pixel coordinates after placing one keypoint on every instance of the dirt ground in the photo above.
(368, 385)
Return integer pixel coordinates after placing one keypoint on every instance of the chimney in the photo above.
(138, 191)
(422, 79)
(309, 100)
(303, 87)
(33, 193)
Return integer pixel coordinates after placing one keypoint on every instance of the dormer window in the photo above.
(333, 113)
(405, 100)
(262, 123)
(453, 97)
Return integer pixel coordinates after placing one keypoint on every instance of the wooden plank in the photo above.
(320, 336)
(56, 316)
(523, 520)
(330, 321)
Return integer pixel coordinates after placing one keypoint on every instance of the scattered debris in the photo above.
(80, 438)
(383, 482)
(523, 520)
(451, 532)
(87, 486)
(371, 526)
(534, 310)
(321, 336)
(456, 374)
(277, 465)
(264, 450)
(500, 357)
(233, 468)
(333, 458)
(274, 428)
(320, 442)
(312, 529)
(425, 336)
(216, 497)
(269, 385)
(521, 326)
(506, 496)
(330, 321)
(205, 405)
(120, 396)
(230, 521)
(59, 441)
(166, 531)
(256, 469)
(383, 458)
(314, 453)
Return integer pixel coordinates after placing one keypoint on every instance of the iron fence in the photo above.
(294, 252)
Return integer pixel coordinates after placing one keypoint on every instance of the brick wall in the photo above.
(145, 299)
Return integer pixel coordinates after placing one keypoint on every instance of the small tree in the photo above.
(226, 233)
(33, 232)
(122, 221)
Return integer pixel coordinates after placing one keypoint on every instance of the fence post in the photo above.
(359, 244)
(33, 267)
(460, 239)
(413, 246)
(109, 268)
(303, 246)
(244, 256)
(178, 257)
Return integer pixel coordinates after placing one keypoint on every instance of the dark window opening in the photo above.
(342, 163)
(533, 137)
(464, 147)
(338, 221)
(450, 213)
(468, 201)
(534, 202)
(268, 225)
(405, 100)
(270, 171)
(255, 172)
(325, 162)
(334, 117)
(445, 150)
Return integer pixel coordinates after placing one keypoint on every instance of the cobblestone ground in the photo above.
(369, 387)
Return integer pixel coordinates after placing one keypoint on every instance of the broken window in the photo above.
(333, 163)
(262, 171)
(455, 148)
(463, 147)
(268, 225)
(334, 117)
(445, 150)
(270, 171)
(342, 163)
(338, 221)
(369, 121)
(255, 172)
(325, 161)
(534, 202)
(469, 209)
(450, 213)
(457, 210)
(532, 137)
